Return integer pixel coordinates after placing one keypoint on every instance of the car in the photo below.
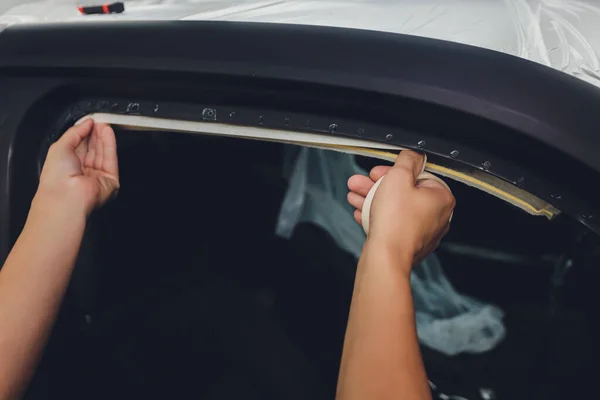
(182, 286)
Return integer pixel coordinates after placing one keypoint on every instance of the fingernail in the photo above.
(83, 121)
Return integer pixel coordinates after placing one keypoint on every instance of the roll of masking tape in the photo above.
(366, 211)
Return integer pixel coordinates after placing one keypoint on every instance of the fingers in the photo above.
(98, 161)
(358, 216)
(360, 184)
(410, 161)
(378, 172)
(73, 137)
(108, 144)
(357, 201)
(90, 158)
(82, 150)
(101, 150)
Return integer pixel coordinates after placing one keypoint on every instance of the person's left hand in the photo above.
(81, 169)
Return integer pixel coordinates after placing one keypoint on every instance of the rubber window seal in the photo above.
(477, 179)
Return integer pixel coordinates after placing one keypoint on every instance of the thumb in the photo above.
(76, 134)
(412, 162)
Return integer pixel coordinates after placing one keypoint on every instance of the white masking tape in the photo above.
(383, 151)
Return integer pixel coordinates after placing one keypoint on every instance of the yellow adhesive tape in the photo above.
(547, 211)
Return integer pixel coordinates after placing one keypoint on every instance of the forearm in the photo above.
(33, 281)
(381, 357)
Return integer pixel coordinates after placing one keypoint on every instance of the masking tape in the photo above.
(366, 210)
(475, 178)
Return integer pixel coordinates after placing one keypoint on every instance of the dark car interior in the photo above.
(177, 293)
(182, 288)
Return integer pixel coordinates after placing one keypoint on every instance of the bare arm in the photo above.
(80, 174)
(381, 357)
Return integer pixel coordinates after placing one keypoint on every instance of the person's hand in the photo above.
(406, 215)
(81, 171)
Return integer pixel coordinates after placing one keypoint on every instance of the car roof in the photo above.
(561, 34)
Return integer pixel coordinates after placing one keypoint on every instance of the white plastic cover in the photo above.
(562, 34)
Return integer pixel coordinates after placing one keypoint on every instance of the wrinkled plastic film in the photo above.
(450, 322)
(317, 194)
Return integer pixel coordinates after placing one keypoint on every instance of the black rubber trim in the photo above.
(439, 150)
(535, 100)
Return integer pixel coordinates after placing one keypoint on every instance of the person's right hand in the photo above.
(406, 215)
